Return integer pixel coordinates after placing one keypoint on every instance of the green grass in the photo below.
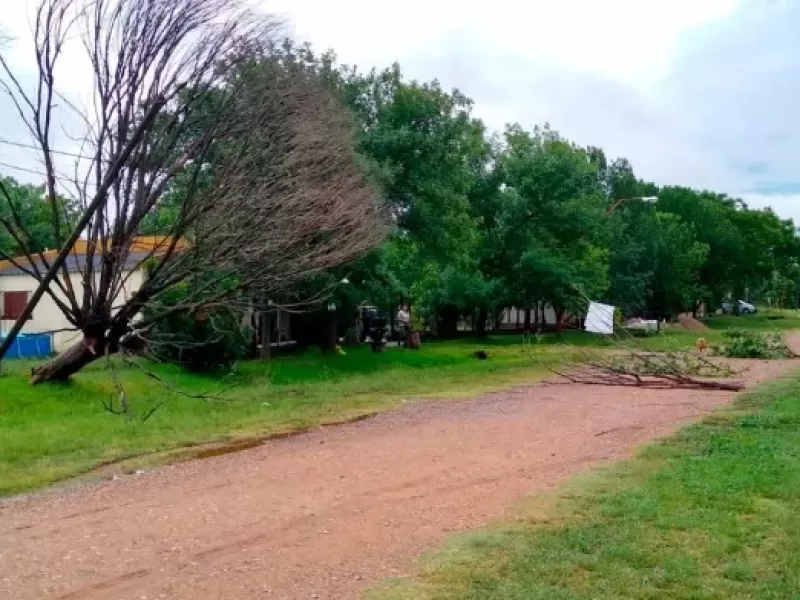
(712, 513)
(763, 320)
(53, 432)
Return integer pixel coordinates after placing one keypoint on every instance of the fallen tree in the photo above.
(624, 364)
(605, 374)
(189, 109)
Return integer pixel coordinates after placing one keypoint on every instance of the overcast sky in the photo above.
(700, 93)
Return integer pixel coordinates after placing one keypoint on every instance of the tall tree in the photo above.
(26, 226)
(553, 220)
(286, 198)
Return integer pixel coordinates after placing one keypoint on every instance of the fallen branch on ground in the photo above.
(595, 374)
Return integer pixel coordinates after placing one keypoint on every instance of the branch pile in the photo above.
(630, 367)
(654, 371)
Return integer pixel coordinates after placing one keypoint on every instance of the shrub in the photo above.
(201, 340)
(753, 344)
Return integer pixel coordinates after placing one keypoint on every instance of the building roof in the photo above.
(141, 248)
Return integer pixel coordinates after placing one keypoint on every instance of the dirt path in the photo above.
(326, 514)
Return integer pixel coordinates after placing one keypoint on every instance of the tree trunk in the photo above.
(66, 364)
(413, 342)
(266, 336)
(448, 322)
(330, 341)
(497, 320)
(480, 326)
(527, 325)
(560, 319)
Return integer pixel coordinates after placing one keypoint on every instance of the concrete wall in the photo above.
(46, 316)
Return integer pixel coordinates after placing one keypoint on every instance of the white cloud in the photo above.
(786, 205)
(627, 39)
(693, 93)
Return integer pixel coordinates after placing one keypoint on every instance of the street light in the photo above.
(617, 203)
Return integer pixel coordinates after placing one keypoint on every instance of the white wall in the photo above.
(47, 316)
(509, 317)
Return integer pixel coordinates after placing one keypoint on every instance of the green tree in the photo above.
(554, 230)
(26, 219)
(679, 262)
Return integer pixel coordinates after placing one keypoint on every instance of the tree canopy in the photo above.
(486, 221)
(479, 220)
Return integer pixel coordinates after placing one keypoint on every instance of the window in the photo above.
(13, 304)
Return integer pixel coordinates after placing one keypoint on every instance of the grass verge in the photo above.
(52, 432)
(763, 320)
(711, 513)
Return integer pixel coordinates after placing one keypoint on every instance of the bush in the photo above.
(753, 344)
(202, 340)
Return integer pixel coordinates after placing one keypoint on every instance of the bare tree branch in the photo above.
(188, 103)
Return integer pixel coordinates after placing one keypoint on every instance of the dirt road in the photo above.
(329, 513)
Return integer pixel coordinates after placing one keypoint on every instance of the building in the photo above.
(514, 318)
(16, 286)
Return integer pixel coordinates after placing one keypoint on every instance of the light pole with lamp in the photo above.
(621, 201)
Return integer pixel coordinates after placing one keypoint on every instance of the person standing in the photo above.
(402, 323)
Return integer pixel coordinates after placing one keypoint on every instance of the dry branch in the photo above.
(188, 104)
(623, 365)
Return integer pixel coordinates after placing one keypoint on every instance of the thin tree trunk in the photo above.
(266, 335)
(560, 319)
(448, 322)
(66, 364)
(330, 332)
(480, 325)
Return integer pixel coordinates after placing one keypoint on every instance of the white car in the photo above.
(745, 308)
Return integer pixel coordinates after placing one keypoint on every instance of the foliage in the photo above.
(25, 208)
(685, 363)
(740, 343)
(526, 217)
(247, 167)
(202, 339)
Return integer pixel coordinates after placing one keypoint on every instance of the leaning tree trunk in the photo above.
(65, 364)
(99, 338)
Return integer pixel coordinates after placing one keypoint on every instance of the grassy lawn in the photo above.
(52, 432)
(712, 513)
(763, 320)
